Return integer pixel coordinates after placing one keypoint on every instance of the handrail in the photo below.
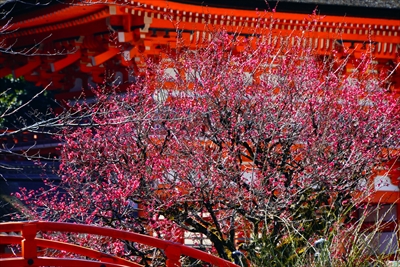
(15, 240)
(29, 241)
(49, 261)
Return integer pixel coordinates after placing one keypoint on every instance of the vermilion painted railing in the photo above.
(30, 243)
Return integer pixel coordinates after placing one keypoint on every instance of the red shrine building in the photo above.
(73, 46)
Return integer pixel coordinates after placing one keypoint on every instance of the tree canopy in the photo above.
(254, 137)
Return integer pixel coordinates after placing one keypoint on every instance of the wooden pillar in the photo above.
(28, 244)
(173, 254)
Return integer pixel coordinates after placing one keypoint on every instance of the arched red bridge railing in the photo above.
(29, 244)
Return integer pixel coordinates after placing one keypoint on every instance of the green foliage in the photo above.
(16, 93)
(10, 98)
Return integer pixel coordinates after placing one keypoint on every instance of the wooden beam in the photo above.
(27, 68)
(128, 54)
(385, 197)
(125, 37)
(65, 62)
(103, 57)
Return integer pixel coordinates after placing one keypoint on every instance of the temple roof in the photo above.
(69, 41)
(360, 3)
(262, 3)
(357, 8)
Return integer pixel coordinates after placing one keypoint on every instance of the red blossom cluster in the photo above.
(254, 136)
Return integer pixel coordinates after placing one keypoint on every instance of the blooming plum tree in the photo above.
(252, 137)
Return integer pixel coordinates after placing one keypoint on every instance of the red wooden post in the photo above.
(173, 254)
(28, 244)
